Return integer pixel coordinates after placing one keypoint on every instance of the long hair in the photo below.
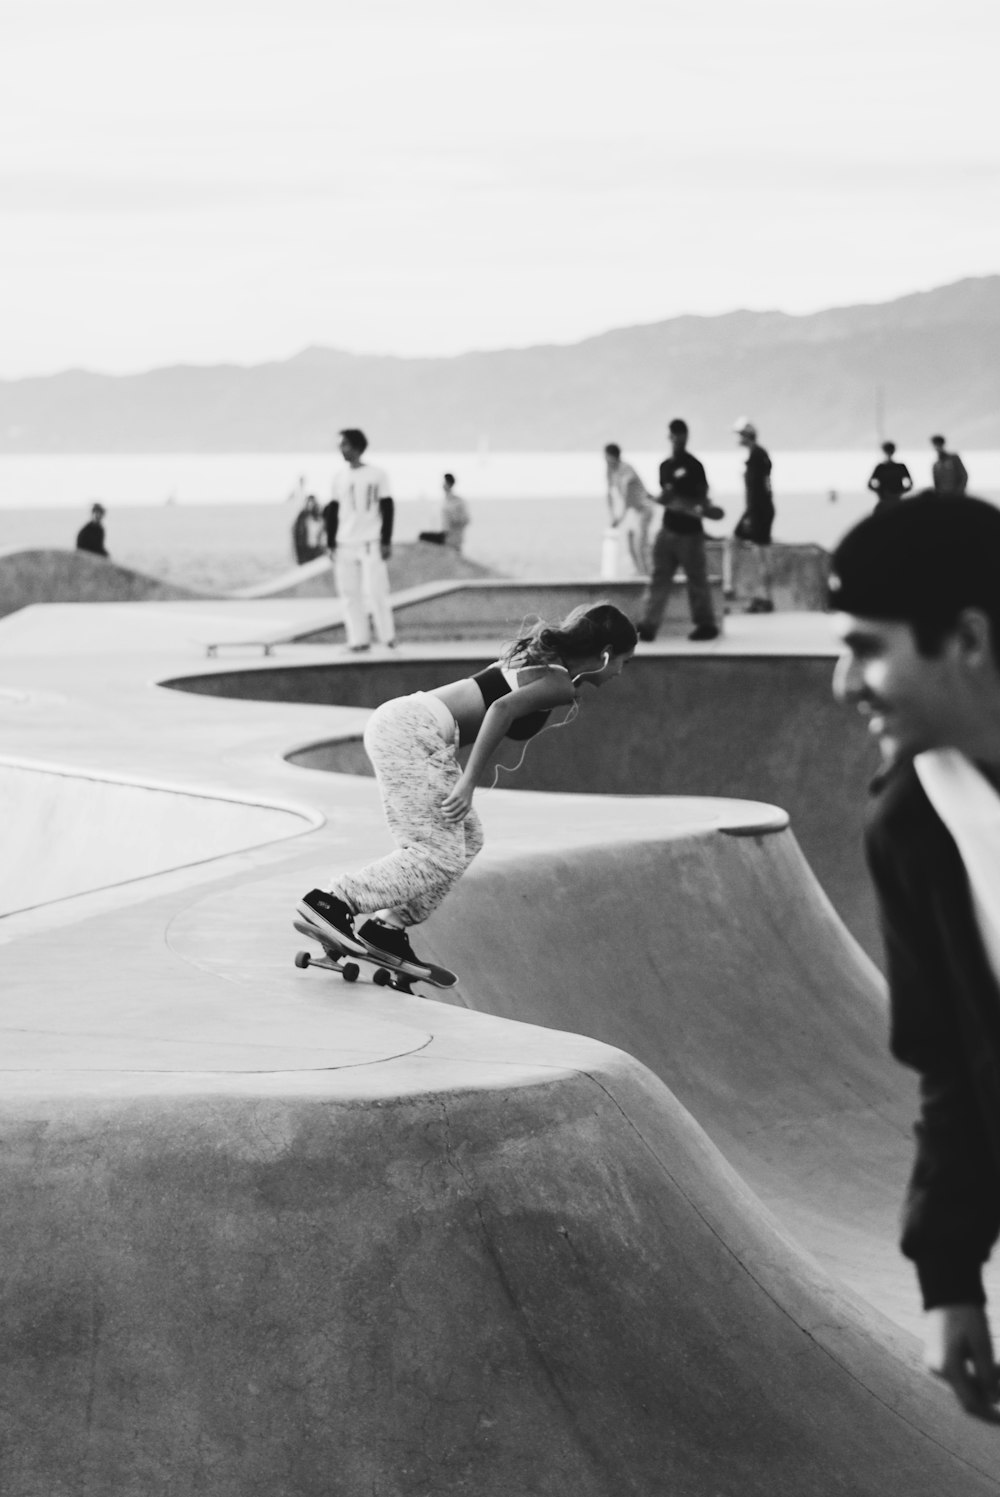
(585, 632)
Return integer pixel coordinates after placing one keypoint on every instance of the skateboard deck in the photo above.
(337, 958)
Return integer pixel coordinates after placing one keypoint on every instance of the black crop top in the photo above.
(493, 684)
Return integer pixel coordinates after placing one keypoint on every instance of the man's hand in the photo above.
(959, 1350)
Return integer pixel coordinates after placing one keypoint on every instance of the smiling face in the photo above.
(915, 701)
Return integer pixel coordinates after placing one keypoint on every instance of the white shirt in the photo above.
(970, 808)
(358, 491)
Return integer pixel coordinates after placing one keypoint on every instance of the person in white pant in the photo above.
(358, 521)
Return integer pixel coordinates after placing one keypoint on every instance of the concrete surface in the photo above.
(51, 575)
(741, 718)
(265, 1233)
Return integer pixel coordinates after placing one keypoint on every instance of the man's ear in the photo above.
(973, 635)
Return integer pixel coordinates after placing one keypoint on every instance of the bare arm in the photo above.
(554, 689)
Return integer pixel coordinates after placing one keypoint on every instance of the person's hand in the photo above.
(386, 550)
(457, 803)
(959, 1350)
(714, 512)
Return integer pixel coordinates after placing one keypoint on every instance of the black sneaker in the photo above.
(761, 605)
(704, 631)
(332, 917)
(391, 945)
(645, 633)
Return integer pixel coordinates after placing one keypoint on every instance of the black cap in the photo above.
(923, 560)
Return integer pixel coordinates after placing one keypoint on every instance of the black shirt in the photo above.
(683, 478)
(493, 685)
(91, 538)
(757, 479)
(890, 480)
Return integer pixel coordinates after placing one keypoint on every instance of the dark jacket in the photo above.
(945, 1023)
(91, 538)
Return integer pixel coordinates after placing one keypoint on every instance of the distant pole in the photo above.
(880, 413)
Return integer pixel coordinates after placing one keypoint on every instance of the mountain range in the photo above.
(839, 378)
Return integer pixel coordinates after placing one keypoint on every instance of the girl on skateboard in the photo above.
(414, 742)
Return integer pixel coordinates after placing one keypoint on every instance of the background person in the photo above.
(681, 541)
(307, 532)
(358, 521)
(919, 620)
(890, 480)
(948, 471)
(454, 518)
(90, 537)
(753, 529)
(630, 506)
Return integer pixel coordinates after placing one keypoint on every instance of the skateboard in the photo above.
(337, 958)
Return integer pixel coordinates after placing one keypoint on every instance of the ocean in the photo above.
(223, 520)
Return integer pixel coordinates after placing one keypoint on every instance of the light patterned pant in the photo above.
(412, 742)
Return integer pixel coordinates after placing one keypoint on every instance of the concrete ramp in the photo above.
(66, 833)
(719, 963)
(46, 575)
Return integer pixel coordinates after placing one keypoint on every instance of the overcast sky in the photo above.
(232, 180)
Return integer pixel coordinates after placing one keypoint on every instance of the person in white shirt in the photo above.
(630, 506)
(358, 522)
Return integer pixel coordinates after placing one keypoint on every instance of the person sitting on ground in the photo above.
(918, 615)
(454, 519)
(413, 743)
(890, 480)
(91, 536)
(630, 506)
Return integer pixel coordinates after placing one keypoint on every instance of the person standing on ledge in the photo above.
(681, 541)
(629, 506)
(358, 521)
(91, 536)
(948, 471)
(890, 480)
(919, 620)
(753, 528)
(454, 519)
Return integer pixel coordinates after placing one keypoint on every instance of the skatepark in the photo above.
(616, 1215)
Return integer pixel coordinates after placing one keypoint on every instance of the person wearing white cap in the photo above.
(753, 528)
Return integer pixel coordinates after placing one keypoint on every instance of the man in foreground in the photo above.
(358, 522)
(919, 619)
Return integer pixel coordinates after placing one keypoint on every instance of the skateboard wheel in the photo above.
(351, 972)
(302, 958)
(381, 978)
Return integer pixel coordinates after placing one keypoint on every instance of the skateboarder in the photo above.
(919, 619)
(413, 743)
